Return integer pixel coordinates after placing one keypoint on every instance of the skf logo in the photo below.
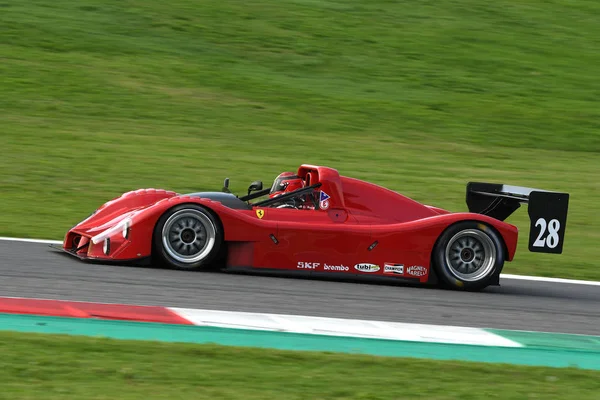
(260, 213)
(308, 265)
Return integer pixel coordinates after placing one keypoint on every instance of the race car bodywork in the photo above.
(346, 226)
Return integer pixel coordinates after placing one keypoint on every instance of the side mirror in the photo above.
(226, 186)
(255, 186)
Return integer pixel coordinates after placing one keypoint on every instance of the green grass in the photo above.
(101, 97)
(35, 366)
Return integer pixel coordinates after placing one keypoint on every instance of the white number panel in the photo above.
(548, 216)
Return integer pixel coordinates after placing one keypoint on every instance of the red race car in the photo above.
(315, 221)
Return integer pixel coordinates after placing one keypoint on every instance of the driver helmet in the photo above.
(286, 182)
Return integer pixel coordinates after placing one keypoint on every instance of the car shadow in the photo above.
(508, 287)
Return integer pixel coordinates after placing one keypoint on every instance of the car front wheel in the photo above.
(188, 237)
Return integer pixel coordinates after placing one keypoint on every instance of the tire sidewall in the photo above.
(444, 270)
(163, 257)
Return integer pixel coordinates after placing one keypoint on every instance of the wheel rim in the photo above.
(188, 236)
(470, 255)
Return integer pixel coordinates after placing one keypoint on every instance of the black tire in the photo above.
(196, 238)
(474, 266)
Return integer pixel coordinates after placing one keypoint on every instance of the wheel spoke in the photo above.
(186, 235)
(470, 255)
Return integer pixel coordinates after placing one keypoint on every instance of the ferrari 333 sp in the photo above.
(315, 221)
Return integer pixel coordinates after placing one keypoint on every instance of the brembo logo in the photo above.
(335, 268)
(364, 267)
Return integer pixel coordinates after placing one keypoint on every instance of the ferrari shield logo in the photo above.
(260, 213)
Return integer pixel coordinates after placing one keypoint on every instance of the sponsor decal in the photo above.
(416, 270)
(328, 267)
(324, 201)
(308, 265)
(390, 268)
(366, 267)
(260, 213)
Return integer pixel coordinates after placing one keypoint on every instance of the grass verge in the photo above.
(36, 366)
(101, 97)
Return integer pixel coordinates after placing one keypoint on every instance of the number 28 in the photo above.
(552, 239)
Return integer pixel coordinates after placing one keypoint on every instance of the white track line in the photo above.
(503, 276)
(545, 279)
(11, 239)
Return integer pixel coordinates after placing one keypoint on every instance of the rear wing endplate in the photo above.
(547, 211)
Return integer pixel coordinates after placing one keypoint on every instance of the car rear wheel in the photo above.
(188, 237)
(468, 256)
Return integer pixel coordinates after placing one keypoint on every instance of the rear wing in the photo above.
(547, 211)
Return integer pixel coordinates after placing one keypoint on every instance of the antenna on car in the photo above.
(226, 186)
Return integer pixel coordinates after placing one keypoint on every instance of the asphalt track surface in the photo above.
(36, 271)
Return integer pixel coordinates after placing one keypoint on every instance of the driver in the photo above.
(284, 183)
